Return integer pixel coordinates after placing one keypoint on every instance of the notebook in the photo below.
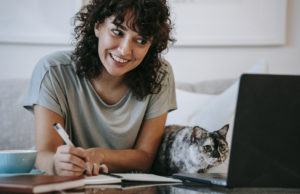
(132, 181)
(48, 183)
(125, 177)
(144, 177)
(101, 179)
(266, 135)
(39, 183)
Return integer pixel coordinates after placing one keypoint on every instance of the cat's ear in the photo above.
(198, 132)
(223, 131)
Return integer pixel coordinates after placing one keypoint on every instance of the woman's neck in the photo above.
(110, 88)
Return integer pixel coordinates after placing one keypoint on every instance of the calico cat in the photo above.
(190, 149)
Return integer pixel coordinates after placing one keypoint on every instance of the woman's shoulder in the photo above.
(56, 59)
(166, 69)
(164, 62)
(59, 62)
(166, 66)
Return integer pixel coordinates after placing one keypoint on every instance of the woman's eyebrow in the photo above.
(121, 26)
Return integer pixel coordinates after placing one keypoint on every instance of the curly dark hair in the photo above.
(151, 19)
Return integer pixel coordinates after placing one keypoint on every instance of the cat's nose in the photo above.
(215, 154)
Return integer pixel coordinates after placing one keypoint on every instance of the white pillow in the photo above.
(215, 86)
(188, 104)
(206, 110)
(220, 111)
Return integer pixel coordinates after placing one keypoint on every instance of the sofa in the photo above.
(16, 123)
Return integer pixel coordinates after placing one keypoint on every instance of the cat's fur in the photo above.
(190, 149)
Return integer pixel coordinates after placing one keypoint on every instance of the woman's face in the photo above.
(120, 49)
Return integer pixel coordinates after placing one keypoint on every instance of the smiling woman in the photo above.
(149, 19)
(112, 93)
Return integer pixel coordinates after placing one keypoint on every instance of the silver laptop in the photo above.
(265, 149)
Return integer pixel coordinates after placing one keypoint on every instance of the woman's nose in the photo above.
(125, 47)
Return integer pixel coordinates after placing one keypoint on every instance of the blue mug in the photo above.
(17, 161)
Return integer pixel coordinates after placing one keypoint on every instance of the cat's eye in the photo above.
(222, 147)
(207, 148)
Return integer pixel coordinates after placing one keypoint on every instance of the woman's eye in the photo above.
(207, 148)
(142, 41)
(116, 32)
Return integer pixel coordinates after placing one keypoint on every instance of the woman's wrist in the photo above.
(45, 162)
(96, 155)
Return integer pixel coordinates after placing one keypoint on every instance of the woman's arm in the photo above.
(141, 157)
(53, 157)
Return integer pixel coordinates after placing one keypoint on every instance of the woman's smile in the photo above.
(116, 58)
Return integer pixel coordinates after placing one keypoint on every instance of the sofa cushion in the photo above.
(216, 86)
(17, 124)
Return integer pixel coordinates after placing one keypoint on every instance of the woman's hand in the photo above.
(95, 162)
(54, 157)
(96, 169)
(70, 161)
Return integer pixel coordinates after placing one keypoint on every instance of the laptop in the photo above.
(265, 148)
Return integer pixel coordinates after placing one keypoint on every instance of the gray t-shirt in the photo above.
(89, 121)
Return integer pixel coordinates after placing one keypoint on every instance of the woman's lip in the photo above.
(117, 63)
(118, 59)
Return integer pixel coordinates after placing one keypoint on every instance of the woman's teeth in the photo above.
(119, 59)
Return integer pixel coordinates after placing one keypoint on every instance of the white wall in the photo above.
(190, 64)
(200, 63)
(18, 60)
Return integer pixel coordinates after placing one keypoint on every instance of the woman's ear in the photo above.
(96, 29)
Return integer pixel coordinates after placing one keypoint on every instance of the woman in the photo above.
(112, 94)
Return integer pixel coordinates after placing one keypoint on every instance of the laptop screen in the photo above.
(266, 134)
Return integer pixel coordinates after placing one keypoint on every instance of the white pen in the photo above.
(63, 134)
(66, 139)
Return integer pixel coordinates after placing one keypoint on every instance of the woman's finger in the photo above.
(103, 168)
(68, 158)
(95, 169)
(79, 152)
(69, 173)
(70, 167)
(88, 169)
(84, 153)
(62, 167)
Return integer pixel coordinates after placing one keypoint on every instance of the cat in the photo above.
(190, 149)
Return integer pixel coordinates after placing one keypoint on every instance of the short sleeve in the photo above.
(44, 89)
(165, 100)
